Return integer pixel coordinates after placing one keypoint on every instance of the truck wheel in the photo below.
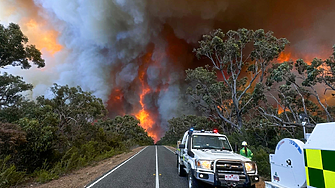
(192, 181)
(180, 169)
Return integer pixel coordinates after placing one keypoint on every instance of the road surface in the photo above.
(152, 167)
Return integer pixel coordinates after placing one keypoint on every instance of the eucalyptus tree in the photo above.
(14, 49)
(290, 96)
(241, 59)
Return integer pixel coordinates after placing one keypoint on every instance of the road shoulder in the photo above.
(82, 177)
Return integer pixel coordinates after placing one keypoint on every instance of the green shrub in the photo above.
(9, 176)
(43, 176)
(261, 156)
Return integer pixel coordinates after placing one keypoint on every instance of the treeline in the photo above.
(51, 136)
(249, 95)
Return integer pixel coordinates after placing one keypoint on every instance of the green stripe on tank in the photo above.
(328, 160)
(316, 178)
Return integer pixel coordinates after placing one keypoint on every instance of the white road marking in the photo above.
(157, 175)
(116, 168)
(169, 149)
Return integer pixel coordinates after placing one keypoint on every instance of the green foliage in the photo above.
(77, 157)
(9, 176)
(178, 126)
(232, 54)
(10, 90)
(54, 136)
(128, 129)
(298, 93)
(14, 51)
(73, 104)
(261, 156)
(327, 72)
(43, 176)
(41, 139)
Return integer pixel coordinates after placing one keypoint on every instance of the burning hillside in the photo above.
(133, 54)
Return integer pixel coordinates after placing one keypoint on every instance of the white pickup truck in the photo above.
(207, 158)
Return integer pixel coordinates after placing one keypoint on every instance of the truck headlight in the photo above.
(204, 164)
(250, 167)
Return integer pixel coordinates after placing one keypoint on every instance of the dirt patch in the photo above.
(82, 177)
(260, 184)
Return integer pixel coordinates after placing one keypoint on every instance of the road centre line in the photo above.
(118, 167)
(157, 175)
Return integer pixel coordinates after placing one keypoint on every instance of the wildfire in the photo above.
(284, 57)
(281, 110)
(116, 100)
(146, 121)
(41, 37)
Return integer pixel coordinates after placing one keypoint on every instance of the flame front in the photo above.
(146, 120)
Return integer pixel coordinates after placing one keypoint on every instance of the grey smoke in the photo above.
(104, 41)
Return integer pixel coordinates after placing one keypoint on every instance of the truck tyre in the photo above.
(180, 169)
(192, 181)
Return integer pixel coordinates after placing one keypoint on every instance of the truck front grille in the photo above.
(229, 167)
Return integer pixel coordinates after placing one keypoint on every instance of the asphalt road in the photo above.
(141, 171)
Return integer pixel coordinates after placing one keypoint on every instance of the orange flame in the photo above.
(41, 37)
(284, 57)
(144, 116)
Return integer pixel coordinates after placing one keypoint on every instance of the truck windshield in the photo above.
(210, 142)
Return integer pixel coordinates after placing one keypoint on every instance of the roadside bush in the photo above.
(9, 176)
(11, 138)
(47, 138)
(261, 157)
(262, 141)
(43, 176)
(178, 126)
(40, 143)
(76, 158)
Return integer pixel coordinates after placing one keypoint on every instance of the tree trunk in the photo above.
(239, 121)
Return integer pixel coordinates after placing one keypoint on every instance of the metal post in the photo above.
(303, 126)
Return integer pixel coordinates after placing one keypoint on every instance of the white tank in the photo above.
(287, 164)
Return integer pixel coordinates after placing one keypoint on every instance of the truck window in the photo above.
(210, 142)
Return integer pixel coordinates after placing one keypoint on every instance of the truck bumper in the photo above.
(212, 179)
(207, 177)
(247, 181)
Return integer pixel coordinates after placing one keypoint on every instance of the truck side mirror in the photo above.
(181, 146)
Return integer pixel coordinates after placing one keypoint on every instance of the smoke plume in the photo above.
(133, 54)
